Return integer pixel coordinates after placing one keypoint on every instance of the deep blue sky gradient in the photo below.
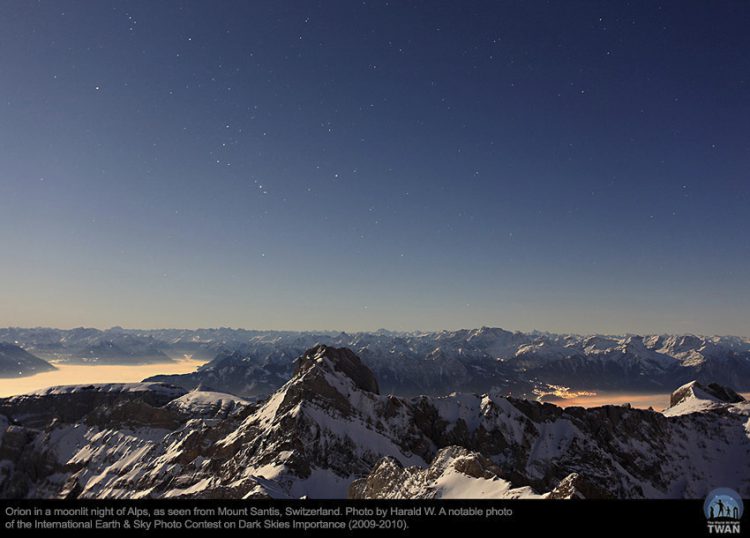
(566, 166)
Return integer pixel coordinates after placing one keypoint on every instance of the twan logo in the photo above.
(723, 509)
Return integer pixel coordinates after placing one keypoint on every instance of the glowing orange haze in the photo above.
(74, 374)
(658, 402)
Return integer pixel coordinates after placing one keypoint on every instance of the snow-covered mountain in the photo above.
(329, 432)
(16, 362)
(693, 397)
(488, 360)
(89, 346)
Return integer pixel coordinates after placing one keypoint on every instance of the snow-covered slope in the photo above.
(694, 397)
(208, 403)
(102, 388)
(329, 426)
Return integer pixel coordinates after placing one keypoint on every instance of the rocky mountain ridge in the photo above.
(328, 432)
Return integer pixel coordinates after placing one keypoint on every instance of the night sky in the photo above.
(565, 166)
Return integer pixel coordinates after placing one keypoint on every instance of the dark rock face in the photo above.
(71, 404)
(344, 360)
(387, 475)
(575, 486)
(250, 376)
(725, 394)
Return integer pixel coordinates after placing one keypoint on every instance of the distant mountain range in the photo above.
(89, 346)
(329, 431)
(488, 359)
(253, 364)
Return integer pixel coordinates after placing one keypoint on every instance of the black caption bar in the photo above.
(388, 518)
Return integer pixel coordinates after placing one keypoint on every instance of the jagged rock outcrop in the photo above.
(575, 486)
(343, 360)
(328, 427)
(454, 473)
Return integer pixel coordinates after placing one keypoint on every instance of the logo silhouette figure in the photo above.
(721, 507)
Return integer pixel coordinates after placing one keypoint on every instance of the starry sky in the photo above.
(565, 166)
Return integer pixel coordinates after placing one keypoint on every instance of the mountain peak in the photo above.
(695, 396)
(341, 360)
(712, 391)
